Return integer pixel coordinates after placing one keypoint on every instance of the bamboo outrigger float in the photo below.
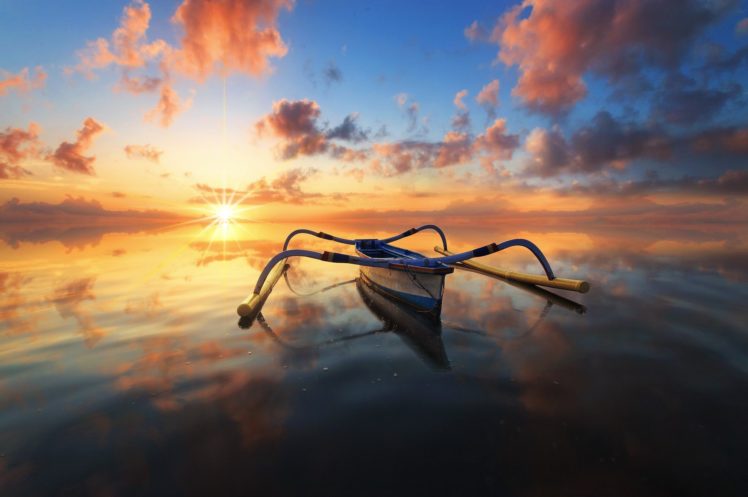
(401, 274)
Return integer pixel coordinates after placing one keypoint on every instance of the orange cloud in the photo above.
(21, 82)
(146, 152)
(15, 146)
(285, 188)
(168, 106)
(456, 148)
(69, 156)
(229, 36)
(128, 47)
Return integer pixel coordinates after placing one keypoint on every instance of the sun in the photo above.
(224, 213)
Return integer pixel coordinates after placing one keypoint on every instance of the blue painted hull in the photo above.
(415, 285)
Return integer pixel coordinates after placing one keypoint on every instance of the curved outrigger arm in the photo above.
(327, 236)
(385, 263)
(413, 231)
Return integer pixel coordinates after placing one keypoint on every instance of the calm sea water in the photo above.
(123, 370)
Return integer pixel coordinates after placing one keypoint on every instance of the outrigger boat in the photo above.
(401, 274)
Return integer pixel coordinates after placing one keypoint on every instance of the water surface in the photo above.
(123, 369)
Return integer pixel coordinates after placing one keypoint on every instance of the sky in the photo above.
(552, 113)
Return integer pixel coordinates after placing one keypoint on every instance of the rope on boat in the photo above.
(327, 236)
(386, 263)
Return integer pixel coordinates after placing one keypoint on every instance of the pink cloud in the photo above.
(69, 156)
(21, 82)
(17, 145)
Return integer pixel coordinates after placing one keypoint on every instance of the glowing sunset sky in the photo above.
(587, 111)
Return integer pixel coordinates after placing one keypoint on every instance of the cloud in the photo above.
(496, 142)
(69, 299)
(295, 123)
(285, 188)
(548, 150)
(146, 152)
(456, 148)
(229, 36)
(459, 96)
(731, 182)
(488, 97)
(411, 110)
(218, 37)
(72, 211)
(681, 101)
(69, 156)
(348, 130)
(476, 32)
(169, 105)
(722, 140)
(604, 142)
(555, 44)
(21, 82)
(128, 45)
(332, 74)
(137, 86)
(397, 158)
(461, 121)
(17, 145)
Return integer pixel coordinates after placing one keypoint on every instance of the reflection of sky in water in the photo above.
(123, 368)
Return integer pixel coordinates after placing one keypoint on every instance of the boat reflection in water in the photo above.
(421, 331)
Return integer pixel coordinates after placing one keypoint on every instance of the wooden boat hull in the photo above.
(422, 291)
(417, 284)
